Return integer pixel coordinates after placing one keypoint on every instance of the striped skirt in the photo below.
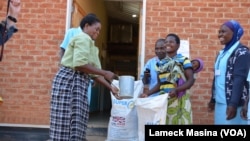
(69, 110)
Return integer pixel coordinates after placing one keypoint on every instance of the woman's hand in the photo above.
(143, 95)
(231, 112)
(243, 112)
(173, 93)
(15, 7)
(210, 106)
(115, 91)
(109, 76)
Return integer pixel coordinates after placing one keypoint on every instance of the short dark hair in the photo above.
(177, 38)
(161, 40)
(89, 19)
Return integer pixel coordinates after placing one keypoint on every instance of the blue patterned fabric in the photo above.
(248, 112)
(236, 87)
(170, 70)
(236, 72)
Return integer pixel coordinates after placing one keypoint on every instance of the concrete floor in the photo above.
(98, 122)
(97, 130)
(96, 138)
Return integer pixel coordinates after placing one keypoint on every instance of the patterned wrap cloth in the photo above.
(170, 71)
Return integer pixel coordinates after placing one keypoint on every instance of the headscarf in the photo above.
(237, 32)
(201, 64)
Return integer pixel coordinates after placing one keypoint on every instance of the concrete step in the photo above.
(95, 131)
(41, 134)
(23, 134)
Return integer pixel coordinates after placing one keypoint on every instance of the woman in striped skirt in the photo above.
(69, 102)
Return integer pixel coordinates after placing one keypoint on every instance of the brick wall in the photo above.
(196, 21)
(30, 62)
(31, 56)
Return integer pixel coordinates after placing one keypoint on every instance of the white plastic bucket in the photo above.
(126, 86)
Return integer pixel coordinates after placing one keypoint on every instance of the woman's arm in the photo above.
(108, 75)
(155, 89)
(190, 80)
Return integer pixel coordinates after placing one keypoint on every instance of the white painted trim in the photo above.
(143, 38)
(68, 14)
(23, 125)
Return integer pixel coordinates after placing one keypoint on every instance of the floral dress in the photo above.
(170, 70)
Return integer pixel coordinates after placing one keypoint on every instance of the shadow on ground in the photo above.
(23, 134)
(39, 134)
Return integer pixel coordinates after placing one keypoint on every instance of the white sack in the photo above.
(123, 122)
(151, 111)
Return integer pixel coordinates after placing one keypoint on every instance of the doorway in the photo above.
(123, 36)
(124, 48)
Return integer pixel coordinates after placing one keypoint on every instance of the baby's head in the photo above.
(197, 65)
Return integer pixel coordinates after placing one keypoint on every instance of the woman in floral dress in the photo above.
(170, 70)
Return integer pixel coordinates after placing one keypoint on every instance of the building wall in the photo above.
(31, 57)
(196, 21)
(30, 61)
